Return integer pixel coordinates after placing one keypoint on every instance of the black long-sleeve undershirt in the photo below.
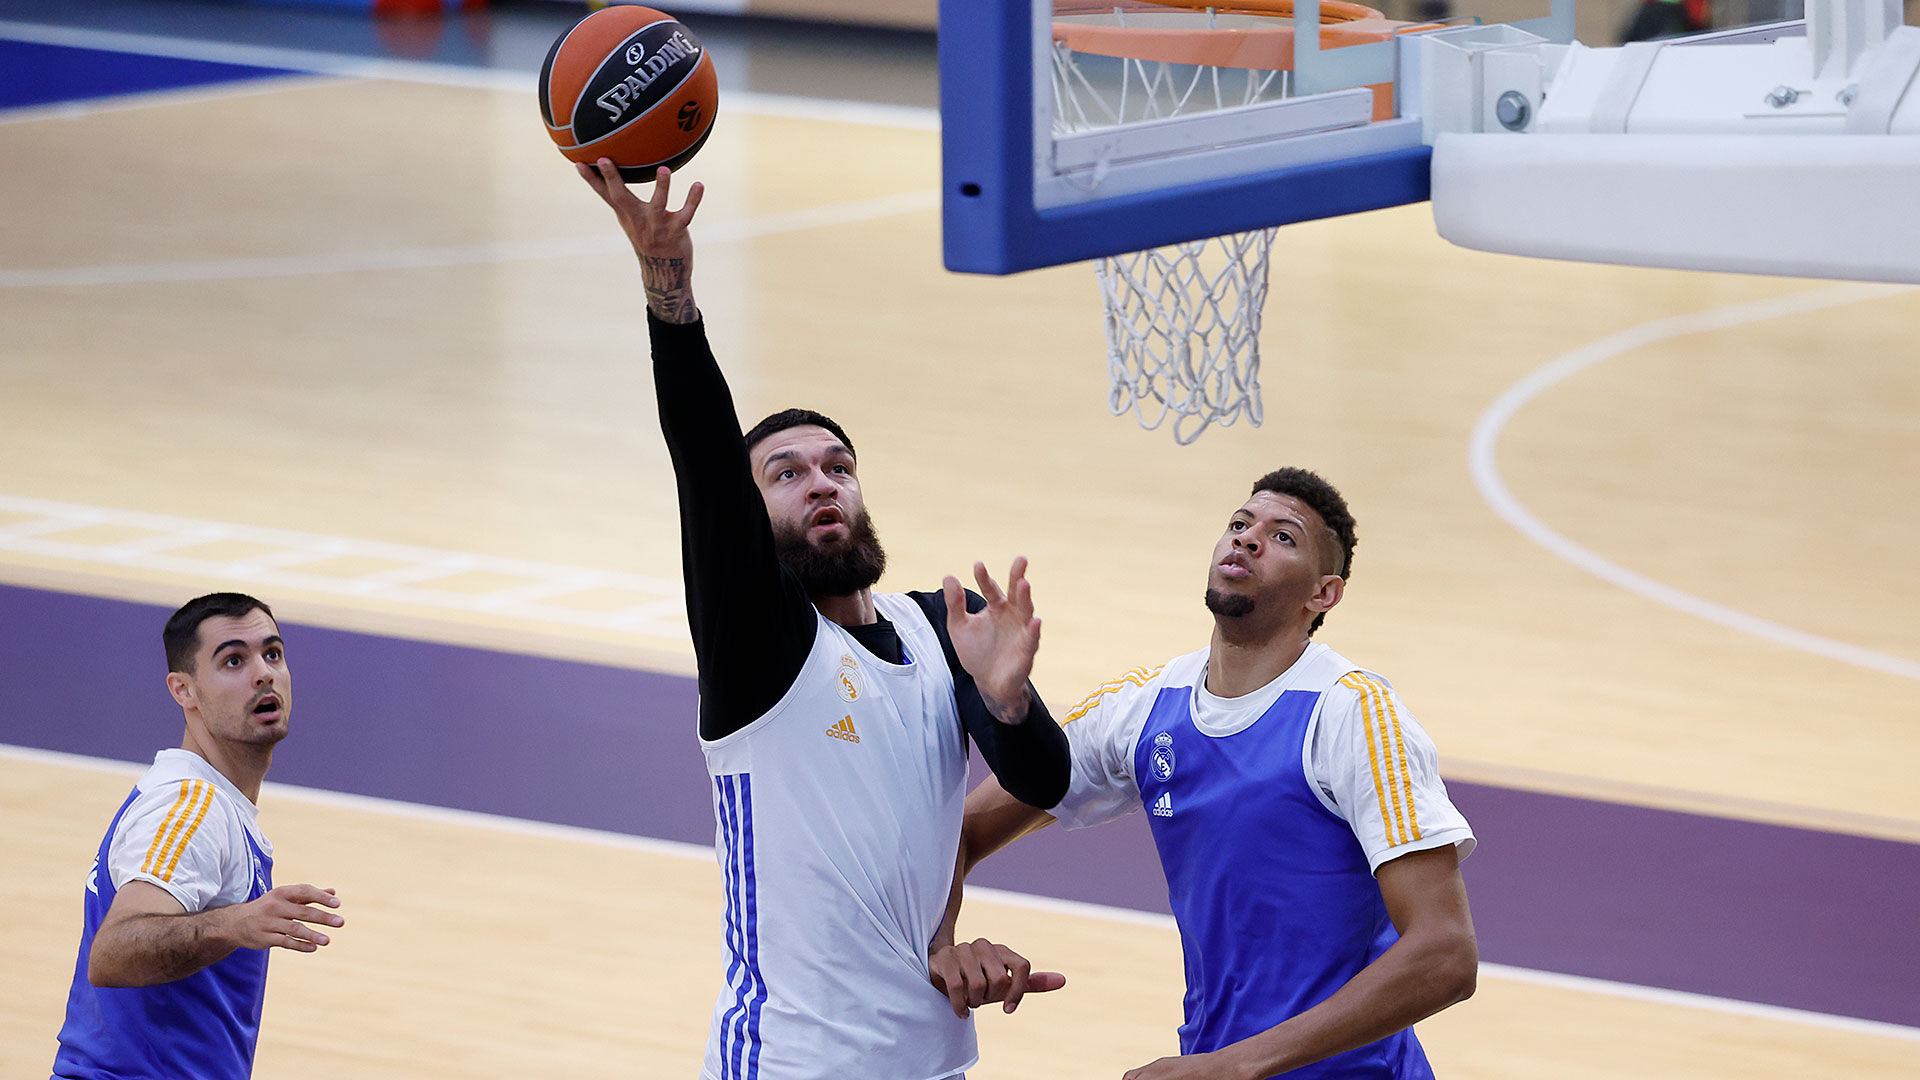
(752, 621)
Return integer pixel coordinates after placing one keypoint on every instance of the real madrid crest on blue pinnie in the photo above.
(1163, 756)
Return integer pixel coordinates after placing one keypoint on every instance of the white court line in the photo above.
(417, 71)
(1101, 912)
(607, 243)
(659, 613)
(1484, 445)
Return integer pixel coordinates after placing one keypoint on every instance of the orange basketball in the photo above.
(630, 84)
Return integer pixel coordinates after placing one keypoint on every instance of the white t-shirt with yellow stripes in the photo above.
(1370, 761)
(186, 832)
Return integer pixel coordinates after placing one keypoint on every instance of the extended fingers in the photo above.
(300, 937)
(307, 894)
(693, 203)
(989, 588)
(956, 600)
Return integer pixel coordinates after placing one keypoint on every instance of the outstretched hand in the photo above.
(279, 919)
(996, 644)
(655, 231)
(974, 973)
(659, 236)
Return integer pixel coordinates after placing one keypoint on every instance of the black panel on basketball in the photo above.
(645, 68)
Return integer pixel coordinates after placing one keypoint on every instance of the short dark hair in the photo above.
(1323, 499)
(792, 418)
(182, 634)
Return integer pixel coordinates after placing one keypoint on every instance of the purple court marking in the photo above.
(1783, 916)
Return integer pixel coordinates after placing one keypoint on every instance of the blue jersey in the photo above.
(204, 1026)
(1270, 814)
(1299, 916)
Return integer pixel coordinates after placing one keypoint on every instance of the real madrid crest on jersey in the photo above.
(848, 681)
(1163, 756)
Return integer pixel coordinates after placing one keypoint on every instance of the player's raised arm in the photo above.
(736, 591)
(659, 236)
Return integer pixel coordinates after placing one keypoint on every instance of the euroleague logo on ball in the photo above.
(646, 68)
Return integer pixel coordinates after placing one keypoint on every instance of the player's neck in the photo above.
(1239, 664)
(244, 766)
(853, 609)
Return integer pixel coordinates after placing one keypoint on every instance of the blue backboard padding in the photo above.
(990, 224)
(35, 74)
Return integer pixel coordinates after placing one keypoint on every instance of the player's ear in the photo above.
(1331, 589)
(180, 685)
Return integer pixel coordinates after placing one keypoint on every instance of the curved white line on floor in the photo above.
(607, 243)
(1482, 448)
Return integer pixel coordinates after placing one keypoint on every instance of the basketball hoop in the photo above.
(1183, 322)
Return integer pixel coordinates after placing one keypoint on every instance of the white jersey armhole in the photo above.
(821, 639)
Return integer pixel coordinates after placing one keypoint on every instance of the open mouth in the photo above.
(1234, 567)
(267, 706)
(824, 517)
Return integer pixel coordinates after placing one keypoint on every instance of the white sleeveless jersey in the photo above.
(838, 820)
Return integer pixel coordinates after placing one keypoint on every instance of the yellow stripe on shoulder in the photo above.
(201, 792)
(181, 849)
(1355, 682)
(1139, 676)
(1393, 745)
(166, 823)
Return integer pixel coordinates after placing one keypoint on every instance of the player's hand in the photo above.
(1189, 1067)
(996, 644)
(279, 919)
(654, 231)
(974, 973)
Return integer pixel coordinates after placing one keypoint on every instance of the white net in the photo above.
(1183, 332)
(1182, 322)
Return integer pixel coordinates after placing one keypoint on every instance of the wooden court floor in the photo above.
(385, 313)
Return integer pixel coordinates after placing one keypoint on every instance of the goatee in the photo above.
(851, 565)
(1230, 605)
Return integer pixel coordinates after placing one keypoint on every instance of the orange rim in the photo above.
(1265, 48)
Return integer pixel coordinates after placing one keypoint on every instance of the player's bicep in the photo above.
(1424, 892)
(141, 898)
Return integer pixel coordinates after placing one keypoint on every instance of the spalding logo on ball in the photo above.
(630, 84)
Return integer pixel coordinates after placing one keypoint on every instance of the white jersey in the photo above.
(1369, 760)
(838, 821)
(186, 831)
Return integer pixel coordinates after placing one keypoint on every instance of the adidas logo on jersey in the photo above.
(844, 730)
(1163, 806)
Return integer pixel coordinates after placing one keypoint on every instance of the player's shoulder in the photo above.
(1141, 683)
(1327, 670)
(181, 786)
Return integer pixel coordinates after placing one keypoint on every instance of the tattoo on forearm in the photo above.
(669, 285)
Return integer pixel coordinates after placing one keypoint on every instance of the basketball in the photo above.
(630, 84)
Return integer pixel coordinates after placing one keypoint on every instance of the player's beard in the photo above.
(1229, 605)
(851, 566)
